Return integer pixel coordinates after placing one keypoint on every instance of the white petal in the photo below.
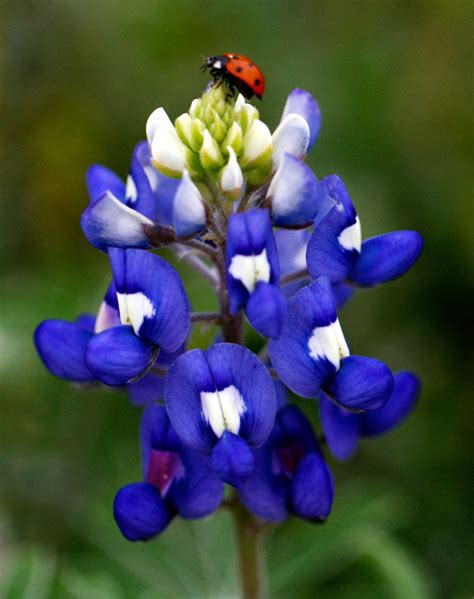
(250, 269)
(257, 141)
(239, 103)
(131, 193)
(291, 136)
(158, 119)
(223, 409)
(168, 151)
(231, 177)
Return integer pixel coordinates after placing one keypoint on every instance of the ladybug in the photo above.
(238, 72)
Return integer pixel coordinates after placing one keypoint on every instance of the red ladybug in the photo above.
(237, 71)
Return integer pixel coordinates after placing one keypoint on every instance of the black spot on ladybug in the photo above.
(257, 81)
(251, 64)
(239, 69)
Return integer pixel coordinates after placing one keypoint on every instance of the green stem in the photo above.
(249, 537)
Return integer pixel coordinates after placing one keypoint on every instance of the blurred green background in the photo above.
(394, 80)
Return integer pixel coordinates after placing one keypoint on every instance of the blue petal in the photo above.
(361, 384)
(189, 214)
(200, 492)
(100, 179)
(62, 347)
(291, 247)
(281, 393)
(342, 293)
(140, 194)
(331, 251)
(402, 401)
(264, 494)
(140, 512)
(187, 378)
(310, 307)
(266, 310)
(117, 355)
(249, 234)
(312, 489)
(157, 304)
(386, 257)
(232, 459)
(109, 222)
(293, 193)
(302, 102)
(340, 427)
(222, 366)
(86, 321)
(148, 389)
(293, 424)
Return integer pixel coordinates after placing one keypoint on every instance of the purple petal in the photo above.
(404, 396)
(139, 193)
(148, 389)
(386, 257)
(302, 102)
(140, 512)
(266, 310)
(361, 384)
(117, 355)
(312, 489)
(62, 347)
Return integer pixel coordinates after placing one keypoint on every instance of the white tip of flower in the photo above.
(194, 105)
(231, 176)
(239, 103)
(257, 145)
(291, 136)
(158, 121)
(189, 214)
(168, 154)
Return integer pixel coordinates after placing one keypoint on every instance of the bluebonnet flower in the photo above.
(176, 480)
(312, 355)
(253, 271)
(154, 316)
(222, 402)
(290, 473)
(342, 429)
(335, 249)
(212, 186)
(138, 318)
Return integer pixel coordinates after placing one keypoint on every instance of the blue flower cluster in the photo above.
(286, 253)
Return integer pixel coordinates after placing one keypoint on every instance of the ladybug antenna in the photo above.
(203, 66)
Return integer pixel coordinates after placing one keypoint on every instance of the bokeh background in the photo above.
(394, 80)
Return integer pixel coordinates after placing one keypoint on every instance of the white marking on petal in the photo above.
(351, 238)
(257, 141)
(107, 317)
(222, 409)
(328, 342)
(250, 269)
(158, 119)
(131, 193)
(168, 151)
(152, 177)
(134, 308)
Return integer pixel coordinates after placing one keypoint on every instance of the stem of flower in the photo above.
(211, 317)
(249, 536)
(294, 276)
